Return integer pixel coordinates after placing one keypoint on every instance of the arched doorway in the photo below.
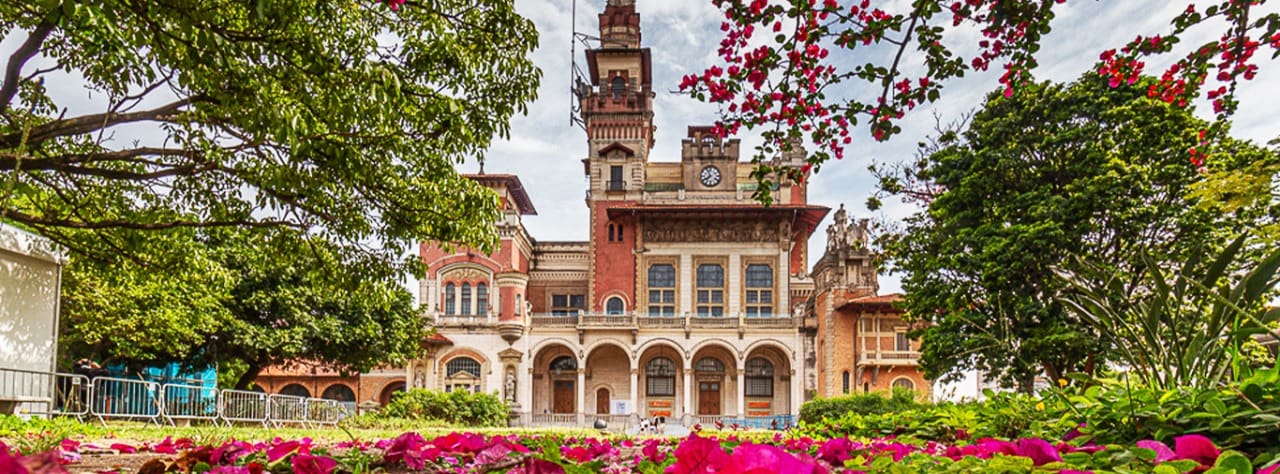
(713, 389)
(564, 378)
(389, 391)
(602, 401)
(339, 392)
(295, 390)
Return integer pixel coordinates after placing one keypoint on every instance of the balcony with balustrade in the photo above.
(890, 358)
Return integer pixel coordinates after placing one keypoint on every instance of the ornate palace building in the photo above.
(689, 300)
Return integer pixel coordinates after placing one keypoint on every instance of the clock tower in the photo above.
(617, 111)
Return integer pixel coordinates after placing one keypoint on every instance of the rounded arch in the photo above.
(768, 343)
(480, 263)
(389, 389)
(603, 343)
(679, 351)
(721, 343)
(904, 382)
(554, 341)
(340, 392)
(613, 295)
(464, 351)
(296, 390)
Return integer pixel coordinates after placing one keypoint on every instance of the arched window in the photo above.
(710, 290)
(450, 301)
(709, 365)
(295, 390)
(459, 365)
(904, 383)
(662, 290)
(759, 291)
(466, 299)
(482, 299)
(660, 378)
(614, 306)
(844, 378)
(564, 364)
(759, 377)
(617, 86)
(340, 393)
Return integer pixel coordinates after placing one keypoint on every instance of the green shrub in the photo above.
(900, 399)
(458, 407)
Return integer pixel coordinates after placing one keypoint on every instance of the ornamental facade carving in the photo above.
(714, 231)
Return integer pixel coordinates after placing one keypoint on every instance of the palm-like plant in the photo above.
(1179, 328)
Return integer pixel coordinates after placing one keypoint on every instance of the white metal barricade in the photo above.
(190, 402)
(286, 409)
(242, 406)
(73, 393)
(321, 411)
(124, 398)
(25, 392)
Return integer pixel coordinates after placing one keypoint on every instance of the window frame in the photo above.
(766, 372)
(708, 307)
(668, 296)
(756, 309)
(668, 380)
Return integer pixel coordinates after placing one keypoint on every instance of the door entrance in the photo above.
(602, 401)
(708, 398)
(562, 399)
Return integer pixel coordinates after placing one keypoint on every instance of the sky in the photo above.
(545, 150)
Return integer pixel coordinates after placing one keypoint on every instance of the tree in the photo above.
(241, 297)
(815, 69)
(1044, 175)
(343, 120)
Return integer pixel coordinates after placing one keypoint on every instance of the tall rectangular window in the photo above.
(615, 178)
(662, 290)
(466, 299)
(710, 282)
(900, 342)
(482, 299)
(759, 291)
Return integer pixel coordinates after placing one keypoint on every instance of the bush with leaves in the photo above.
(458, 407)
(832, 408)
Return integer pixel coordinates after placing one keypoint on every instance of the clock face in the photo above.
(710, 176)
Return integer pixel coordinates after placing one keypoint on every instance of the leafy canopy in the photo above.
(817, 69)
(1049, 173)
(343, 120)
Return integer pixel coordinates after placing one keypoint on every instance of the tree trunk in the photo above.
(248, 376)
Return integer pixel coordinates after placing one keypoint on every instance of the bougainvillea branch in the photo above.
(808, 76)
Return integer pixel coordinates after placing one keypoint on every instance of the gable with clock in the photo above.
(710, 176)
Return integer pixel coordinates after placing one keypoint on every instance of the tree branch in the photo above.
(10, 161)
(12, 74)
(89, 123)
(29, 219)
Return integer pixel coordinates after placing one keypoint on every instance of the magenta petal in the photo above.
(1269, 469)
(308, 464)
(836, 451)
(1039, 450)
(764, 458)
(1197, 448)
(1163, 453)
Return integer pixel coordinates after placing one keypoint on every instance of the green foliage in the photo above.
(37, 435)
(1181, 328)
(1049, 173)
(259, 299)
(1243, 415)
(344, 119)
(833, 408)
(1003, 415)
(458, 407)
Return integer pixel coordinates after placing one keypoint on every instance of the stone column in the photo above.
(688, 388)
(742, 393)
(635, 389)
(582, 389)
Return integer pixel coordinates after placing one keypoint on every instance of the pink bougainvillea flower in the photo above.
(9, 462)
(836, 451)
(493, 453)
(229, 452)
(456, 442)
(407, 447)
(989, 446)
(1163, 453)
(308, 464)
(651, 451)
(1272, 469)
(123, 448)
(1196, 448)
(279, 449)
(1039, 450)
(698, 455)
(229, 470)
(163, 447)
(750, 458)
(537, 466)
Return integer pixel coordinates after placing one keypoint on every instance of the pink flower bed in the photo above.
(471, 452)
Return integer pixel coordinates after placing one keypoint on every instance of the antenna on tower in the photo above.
(578, 88)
